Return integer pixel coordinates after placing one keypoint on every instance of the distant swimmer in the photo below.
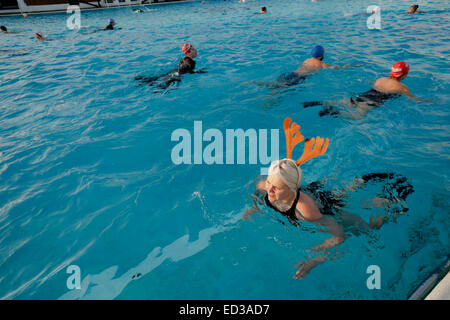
(139, 10)
(189, 50)
(413, 9)
(263, 10)
(308, 67)
(3, 29)
(185, 65)
(111, 24)
(382, 90)
(40, 36)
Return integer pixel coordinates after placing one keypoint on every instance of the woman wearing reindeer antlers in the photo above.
(282, 191)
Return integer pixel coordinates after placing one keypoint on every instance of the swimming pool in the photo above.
(87, 179)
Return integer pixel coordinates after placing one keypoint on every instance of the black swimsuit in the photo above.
(395, 187)
(288, 79)
(328, 203)
(373, 97)
(290, 214)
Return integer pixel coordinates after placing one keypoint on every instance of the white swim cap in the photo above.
(288, 171)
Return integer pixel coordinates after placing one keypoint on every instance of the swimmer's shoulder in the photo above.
(308, 208)
(388, 85)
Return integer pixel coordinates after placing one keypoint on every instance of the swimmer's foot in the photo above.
(328, 110)
(312, 104)
(379, 221)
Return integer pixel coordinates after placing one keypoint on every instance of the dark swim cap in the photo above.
(3, 28)
(186, 65)
(317, 51)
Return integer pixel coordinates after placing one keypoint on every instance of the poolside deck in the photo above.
(436, 287)
(27, 7)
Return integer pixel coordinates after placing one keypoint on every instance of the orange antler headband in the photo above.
(294, 137)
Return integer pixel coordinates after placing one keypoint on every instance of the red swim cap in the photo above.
(186, 47)
(399, 69)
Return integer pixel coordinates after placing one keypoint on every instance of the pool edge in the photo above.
(436, 286)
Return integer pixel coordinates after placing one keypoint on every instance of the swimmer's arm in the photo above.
(333, 228)
(311, 213)
(202, 70)
(257, 197)
(347, 66)
(407, 93)
(305, 267)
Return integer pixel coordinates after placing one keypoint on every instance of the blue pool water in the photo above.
(86, 176)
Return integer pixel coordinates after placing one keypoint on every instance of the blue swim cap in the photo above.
(111, 20)
(317, 51)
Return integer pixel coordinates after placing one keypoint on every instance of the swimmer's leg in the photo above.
(329, 110)
(328, 107)
(353, 221)
(356, 110)
(146, 79)
(266, 84)
(312, 104)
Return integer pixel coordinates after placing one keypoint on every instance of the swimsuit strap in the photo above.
(289, 213)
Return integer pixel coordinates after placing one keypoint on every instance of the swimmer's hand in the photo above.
(423, 100)
(248, 212)
(306, 266)
(411, 96)
(202, 70)
(261, 185)
(348, 66)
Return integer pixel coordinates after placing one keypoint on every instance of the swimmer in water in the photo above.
(413, 9)
(111, 24)
(3, 29)
(263, 10)
(309, 66)
(138, 10)
(190, 52)
(315, 63)
(382, 90)
(186, 65)
(40, 36)
(282, 192)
